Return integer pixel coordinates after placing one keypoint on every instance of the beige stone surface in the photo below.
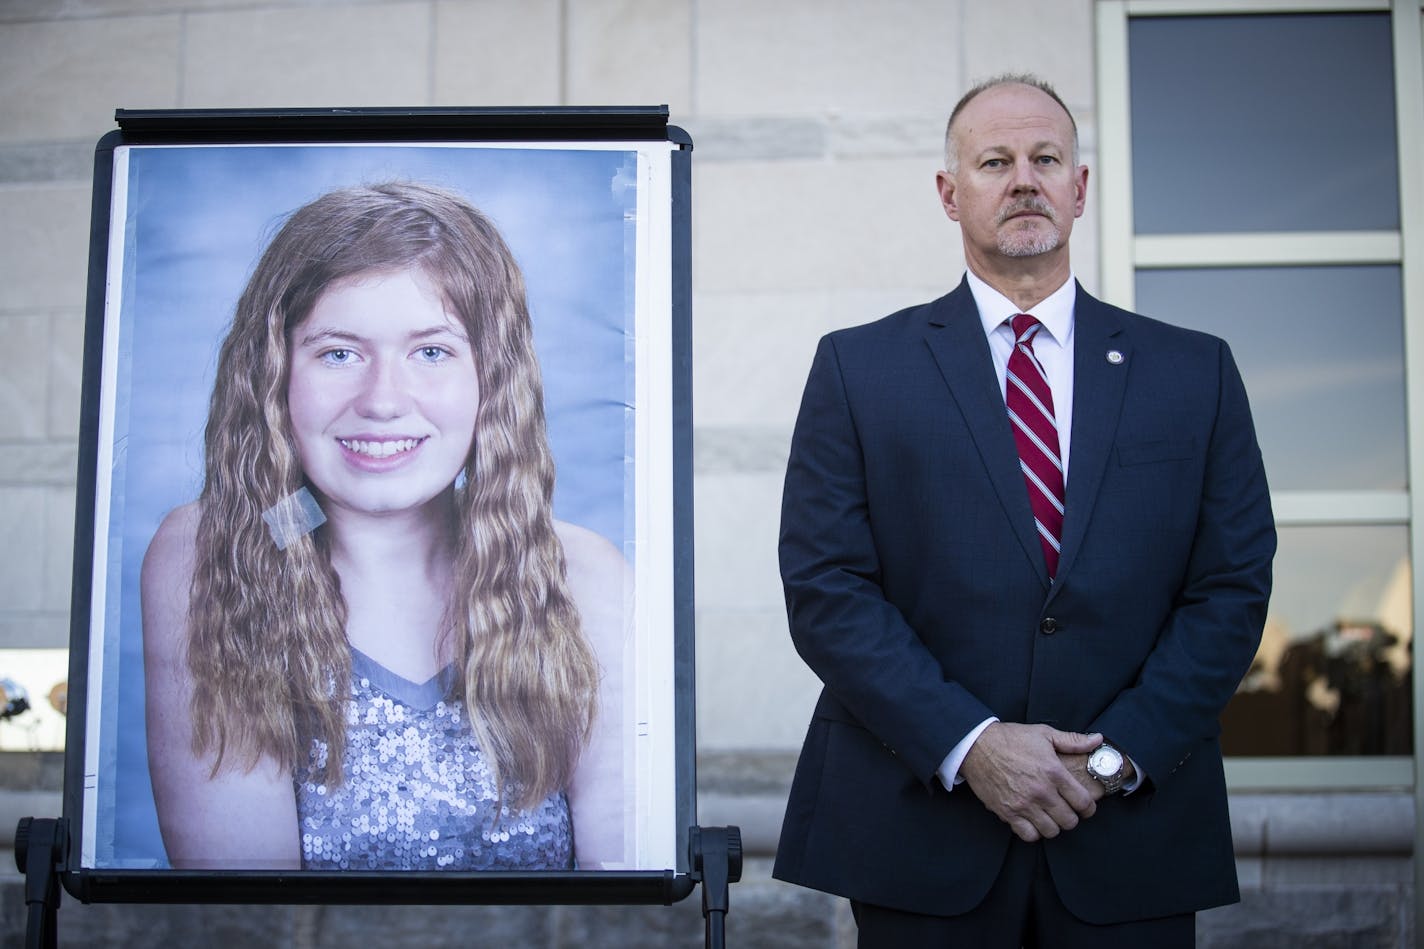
(751, 351)
(735, 522)
(753, 690)
(890, 136)
(759, 58)
(58, 547)
(801, 225)
(44, 248)
(1086, 259)
(63, 80)
(22, 539)
(338, 55)
(1248, 871)
(752, 138)
(630, 52)
(24, 376)
(493, 52)
(34, 630)
(35, 463)
(1355, 870)
(13, 10)
(740, 449)
(1053, 40)
(66, 370)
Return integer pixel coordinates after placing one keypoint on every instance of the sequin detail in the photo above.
(418, 793)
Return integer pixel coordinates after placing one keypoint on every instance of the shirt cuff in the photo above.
(949, 769)
(1137, 776)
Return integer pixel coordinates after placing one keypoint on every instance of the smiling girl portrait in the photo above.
(368, 643)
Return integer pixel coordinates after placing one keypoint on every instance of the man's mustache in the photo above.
(1030, 205)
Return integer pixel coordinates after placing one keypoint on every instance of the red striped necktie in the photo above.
(1030, 403)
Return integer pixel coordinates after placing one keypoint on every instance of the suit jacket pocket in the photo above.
(1144, 453)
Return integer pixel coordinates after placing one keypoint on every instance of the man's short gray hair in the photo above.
(951, 156)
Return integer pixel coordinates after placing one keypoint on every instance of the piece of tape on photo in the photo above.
(293, 517)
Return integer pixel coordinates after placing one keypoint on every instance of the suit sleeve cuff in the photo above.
(948, 770)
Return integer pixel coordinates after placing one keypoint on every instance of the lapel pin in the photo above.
(1115, 357)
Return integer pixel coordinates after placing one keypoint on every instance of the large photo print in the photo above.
(380, 561)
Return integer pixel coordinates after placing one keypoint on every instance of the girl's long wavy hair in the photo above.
(267, 648)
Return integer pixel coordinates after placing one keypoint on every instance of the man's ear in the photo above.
(944, 183)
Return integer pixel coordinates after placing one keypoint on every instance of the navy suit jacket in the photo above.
(916, 590)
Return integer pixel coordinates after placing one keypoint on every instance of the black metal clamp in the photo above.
(715, 857)
(40, 844)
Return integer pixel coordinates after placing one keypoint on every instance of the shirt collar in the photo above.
(1055, 311)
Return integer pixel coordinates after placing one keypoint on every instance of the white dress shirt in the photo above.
(1054, 348)
(1053, 345)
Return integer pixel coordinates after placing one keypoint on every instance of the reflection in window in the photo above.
(34, 699)
(1321, 350)
(1333, 674)
(1276, 122)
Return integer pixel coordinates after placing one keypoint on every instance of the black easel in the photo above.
(715, 858)
(40, 844)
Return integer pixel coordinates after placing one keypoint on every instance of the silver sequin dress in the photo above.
(418, 793)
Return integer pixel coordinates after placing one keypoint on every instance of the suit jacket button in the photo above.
(1048, 626)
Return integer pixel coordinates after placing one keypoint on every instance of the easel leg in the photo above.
(715, 856)
(39, 855)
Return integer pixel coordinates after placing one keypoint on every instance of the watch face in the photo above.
(1105, 761)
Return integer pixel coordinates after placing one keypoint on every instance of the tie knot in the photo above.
(1024, 327)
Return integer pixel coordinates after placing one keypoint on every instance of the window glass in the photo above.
(34, 698)
(1321, 350)
(1263, 123)
(1333, 673)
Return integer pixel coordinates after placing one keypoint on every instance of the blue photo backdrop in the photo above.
(196, 221)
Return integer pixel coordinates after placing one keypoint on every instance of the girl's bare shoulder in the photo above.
(600, 581)
(588, 553)
(170, 554)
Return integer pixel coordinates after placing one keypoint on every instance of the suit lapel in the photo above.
(1099, 382)
(955, 336)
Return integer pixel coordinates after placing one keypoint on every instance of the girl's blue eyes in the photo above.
(342, 357)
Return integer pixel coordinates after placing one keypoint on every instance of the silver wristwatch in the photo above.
(1106, 765)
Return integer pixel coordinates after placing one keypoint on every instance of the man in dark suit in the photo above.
(1026, 543)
